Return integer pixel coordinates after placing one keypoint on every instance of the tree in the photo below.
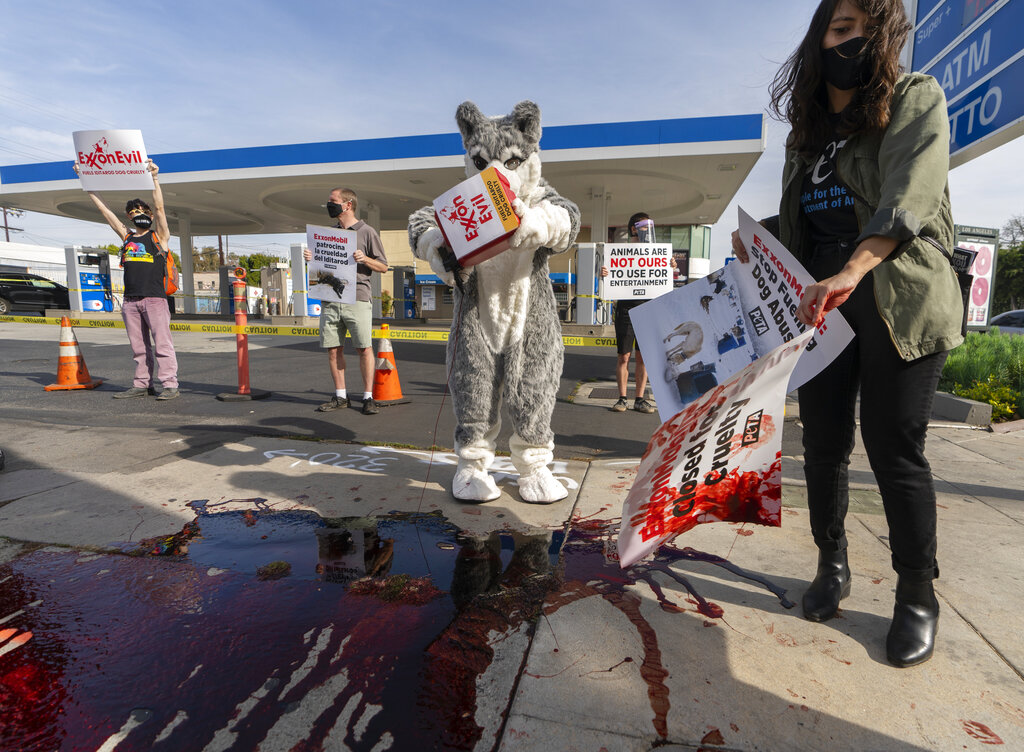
(253, 263)
(1012, 233)
(1008, 292)
(205, 260)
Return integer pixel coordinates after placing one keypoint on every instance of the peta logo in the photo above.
(101, 156)
(752, 429)
(758, 320)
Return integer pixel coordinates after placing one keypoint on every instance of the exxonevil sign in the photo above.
(112, 160)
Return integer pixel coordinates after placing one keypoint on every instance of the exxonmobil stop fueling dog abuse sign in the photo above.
(476, 217)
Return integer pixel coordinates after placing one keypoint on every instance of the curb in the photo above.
(961, 410)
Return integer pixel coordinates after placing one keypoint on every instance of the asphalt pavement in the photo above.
(206, 575)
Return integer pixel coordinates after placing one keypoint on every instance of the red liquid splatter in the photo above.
(184, 626)
(981, 732)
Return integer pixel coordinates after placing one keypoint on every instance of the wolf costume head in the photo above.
(511, 143)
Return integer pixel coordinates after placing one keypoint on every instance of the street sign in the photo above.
(975, 50)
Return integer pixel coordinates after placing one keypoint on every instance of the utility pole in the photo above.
(7, 227)
(220, 248)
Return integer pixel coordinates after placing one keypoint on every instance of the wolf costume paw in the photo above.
(472, 483)
(542, 226)
(541, 487)
(428, 248)
(536, 483)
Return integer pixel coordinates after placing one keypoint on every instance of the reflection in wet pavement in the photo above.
(261, 628)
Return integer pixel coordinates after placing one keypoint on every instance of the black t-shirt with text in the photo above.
(144, 266)
(825, 202)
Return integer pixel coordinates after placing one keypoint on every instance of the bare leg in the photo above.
(336, 361)
(366, 368)
(622, 373)
(641, 375)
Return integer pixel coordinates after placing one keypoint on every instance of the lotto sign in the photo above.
(332, 272)
(636, 271)
(476, 217)
(112, 160)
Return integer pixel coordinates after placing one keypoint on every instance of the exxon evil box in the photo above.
(476, 217)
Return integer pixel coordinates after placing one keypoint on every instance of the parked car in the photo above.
(1011, 322)
(30, 292)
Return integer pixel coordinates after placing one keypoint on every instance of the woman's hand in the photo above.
(738, 249)
(821, 297)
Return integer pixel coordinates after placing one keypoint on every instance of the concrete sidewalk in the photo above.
(209, 579)
(684, 652)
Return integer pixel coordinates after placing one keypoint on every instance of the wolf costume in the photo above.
(506, 340)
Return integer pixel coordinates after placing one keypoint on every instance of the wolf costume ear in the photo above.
(470, 121)
(526, 117)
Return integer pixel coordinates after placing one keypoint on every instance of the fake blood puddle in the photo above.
(286, 630)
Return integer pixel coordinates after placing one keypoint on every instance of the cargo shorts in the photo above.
(355, 319)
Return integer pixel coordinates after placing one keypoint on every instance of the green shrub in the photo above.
(1004, 400)
(988, 368)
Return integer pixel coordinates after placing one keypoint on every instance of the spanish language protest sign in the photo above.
(698, 336)
(332, 272)
(112, 160)
(636, 271)
(719, 459)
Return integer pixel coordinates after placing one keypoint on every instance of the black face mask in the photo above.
(142, 221)
(335, 209)
(846, 66)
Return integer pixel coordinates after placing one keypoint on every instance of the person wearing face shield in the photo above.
(354, 319)
(865, 208)
(145, 310)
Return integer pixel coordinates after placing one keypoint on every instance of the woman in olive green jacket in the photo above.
(865, 208)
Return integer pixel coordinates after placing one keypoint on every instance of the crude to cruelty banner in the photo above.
(636, 271)
(720, 459)
(332, 272)
(699, 335)
(112, 160)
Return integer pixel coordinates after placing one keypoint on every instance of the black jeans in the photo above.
(895, 403)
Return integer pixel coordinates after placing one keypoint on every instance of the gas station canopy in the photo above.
(681, 171)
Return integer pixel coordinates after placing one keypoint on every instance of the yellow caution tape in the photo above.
(417, 335)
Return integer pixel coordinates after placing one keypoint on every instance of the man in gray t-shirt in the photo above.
(356, 319)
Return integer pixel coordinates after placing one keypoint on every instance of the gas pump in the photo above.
(303, 304)
(404, 285)
(89, 279)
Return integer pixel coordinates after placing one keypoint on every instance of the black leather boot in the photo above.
(830, 585)
(915, 620)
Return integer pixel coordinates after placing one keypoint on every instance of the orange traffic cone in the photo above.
(386, 388)
(71, 370)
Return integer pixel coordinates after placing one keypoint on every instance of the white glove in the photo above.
(543, 225)
(428, 248)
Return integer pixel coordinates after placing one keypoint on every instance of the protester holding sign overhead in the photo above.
(145, 309)
(865, 207)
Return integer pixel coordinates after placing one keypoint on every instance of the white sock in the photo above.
(367, 395)
(340, 393)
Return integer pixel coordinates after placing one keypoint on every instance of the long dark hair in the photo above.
(798, 93)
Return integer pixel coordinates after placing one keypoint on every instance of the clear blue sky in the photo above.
(205, 75)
